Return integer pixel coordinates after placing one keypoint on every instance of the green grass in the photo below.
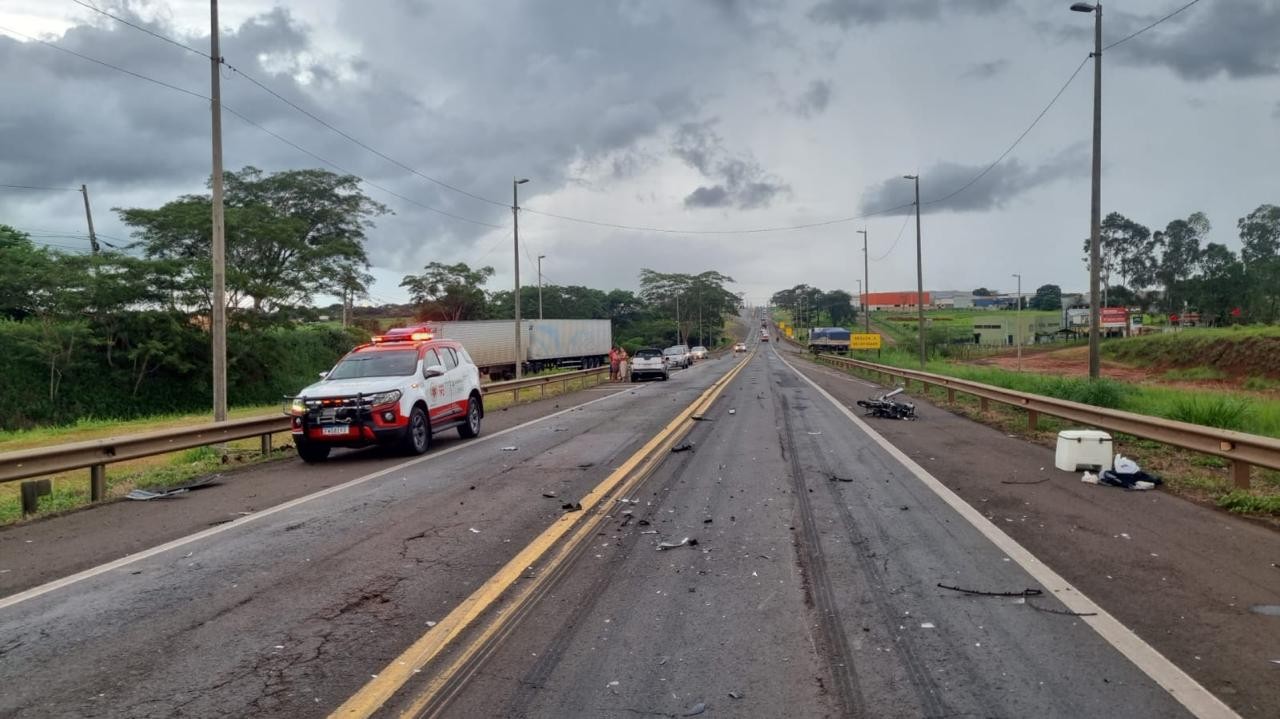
(1261, 384)
(1252, 350)
(1211, 410)
(1195, 374)
(96, 427)
(1243, 502)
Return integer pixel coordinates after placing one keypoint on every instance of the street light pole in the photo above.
(919, 273)
(1095, 209)
(515, 235)
(866, 275)
(1018, 319)
(540, 259)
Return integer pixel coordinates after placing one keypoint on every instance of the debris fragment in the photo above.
(1063, 612)
(696, 709)
(835, 478)
(143, 495)
(474, 530)
(509, 449)
(549, 495)
(926, 625)
(1034, 481)
(571, 506)
(707, 520)
(735, 695)
(981, 593)
(733, 411)
(700, 418)
(686, 447)
(673, 545)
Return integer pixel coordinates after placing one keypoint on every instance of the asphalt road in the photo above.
(811, 589)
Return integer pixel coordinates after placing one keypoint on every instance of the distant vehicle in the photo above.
(583, 344)
(400, 389)
(678, 356)
(764, 335)
(699, 352)
(649, 362)
(740, 347)
(829, 339)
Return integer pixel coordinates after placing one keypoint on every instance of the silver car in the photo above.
(678, 356)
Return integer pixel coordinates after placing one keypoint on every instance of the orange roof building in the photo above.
(893, 300)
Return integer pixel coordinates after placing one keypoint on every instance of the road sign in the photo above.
(864, 342)
(1114, 317)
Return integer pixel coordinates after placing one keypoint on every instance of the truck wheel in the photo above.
(417, 436)
(471, 428)
(311, 453)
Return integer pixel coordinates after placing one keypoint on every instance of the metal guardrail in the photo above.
(1242, 450)
(96, 454)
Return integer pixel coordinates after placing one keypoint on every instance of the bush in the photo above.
(1222, 411)
(1242, 502)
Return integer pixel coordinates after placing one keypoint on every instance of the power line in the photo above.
(139, 28)
(256, 125)
(37, 187)
(1025, 132)
(1132, 35)
(905, 220)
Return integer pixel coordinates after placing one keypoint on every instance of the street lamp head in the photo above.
(542, 257)
(521, 181)
(1084, 7)
(910, 177)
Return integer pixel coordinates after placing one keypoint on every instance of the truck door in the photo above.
(438, 404)
(455, 383)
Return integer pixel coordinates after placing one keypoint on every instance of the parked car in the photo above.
(649, 362)
(699, 352)
(764, 335)
(678, 356)
(740, 347)
(401, 389)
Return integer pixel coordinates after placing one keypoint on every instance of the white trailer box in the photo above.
(555, 339)
(1083, 449)
(489, 342)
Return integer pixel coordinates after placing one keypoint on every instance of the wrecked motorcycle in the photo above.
(886, 406)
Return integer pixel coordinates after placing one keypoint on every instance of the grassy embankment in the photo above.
(1201, 477)
(71, 489)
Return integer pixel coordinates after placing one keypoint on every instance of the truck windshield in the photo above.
(376, 364)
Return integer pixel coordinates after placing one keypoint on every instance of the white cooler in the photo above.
(1083, 449)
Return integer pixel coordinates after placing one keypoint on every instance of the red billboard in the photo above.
(1114, 317)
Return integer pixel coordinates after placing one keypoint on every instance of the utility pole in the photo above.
(515, 235)
(919, 274)
(218, 324)
(1018, 319)
(1095, 208)
(678, 339)
(88, 217)
(865, 285)
(540, 259)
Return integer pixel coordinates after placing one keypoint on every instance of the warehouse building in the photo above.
(1002, 329)
(880, 301)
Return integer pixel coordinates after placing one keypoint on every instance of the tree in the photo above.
(1047, 297)
(449, 292)
(1260, 253)
(982, 292)
(1217, 289)
(290, 235)
(838, 305)
(1181, 241)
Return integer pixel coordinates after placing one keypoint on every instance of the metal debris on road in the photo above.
(980, 593)
(686, 447)
(549, 495)
(700, 418)
(143, 495)
(696, 709)
(673, 545)
(735, 695)
(835, 478)
(509, 449)
(571, 506)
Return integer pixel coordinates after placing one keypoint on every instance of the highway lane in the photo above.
(289, 612)
(811, 591)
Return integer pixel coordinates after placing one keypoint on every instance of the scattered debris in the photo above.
(686, 447)
(510, 449)
(571, 506)
(549, 495)
(1126, 475)
(904, 508)
(814, 434)
(981, 593)
(430, 624)
(643, 523)
(707, 520)
(1089, 478)
(835, 478)
(474, 530)
(1034, 481)
(650, 531)
(926, 625)
(672, 545)
(696, 709)
(559, 429)
(143, 495)
(733, 411)
(1063, 612)
(700, 418)
(735, 695)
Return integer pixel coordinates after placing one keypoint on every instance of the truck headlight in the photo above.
(298, 407)
(383, 397)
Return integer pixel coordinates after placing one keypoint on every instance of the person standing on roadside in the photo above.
(613, 363)
(623, 358)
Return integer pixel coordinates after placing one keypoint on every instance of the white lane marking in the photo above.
(125, 561)
(1186, 690)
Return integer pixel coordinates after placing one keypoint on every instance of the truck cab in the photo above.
(400, 389)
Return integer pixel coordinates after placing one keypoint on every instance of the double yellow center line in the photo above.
(375, 693)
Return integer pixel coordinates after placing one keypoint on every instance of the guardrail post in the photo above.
(265, 441)
(951, 395)
(983, 405)
(1033, 420)
(1240, 474)
(97, 482)
(32, 491)
(542, 391)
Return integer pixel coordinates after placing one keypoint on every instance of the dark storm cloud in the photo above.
(813, 101)
(986, 70)
(1003, 183)
(847, 13)
(1237, 38)
(743, 183)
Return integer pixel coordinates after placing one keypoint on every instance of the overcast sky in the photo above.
(678, 114)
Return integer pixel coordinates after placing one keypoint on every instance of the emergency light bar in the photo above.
(406, 334)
